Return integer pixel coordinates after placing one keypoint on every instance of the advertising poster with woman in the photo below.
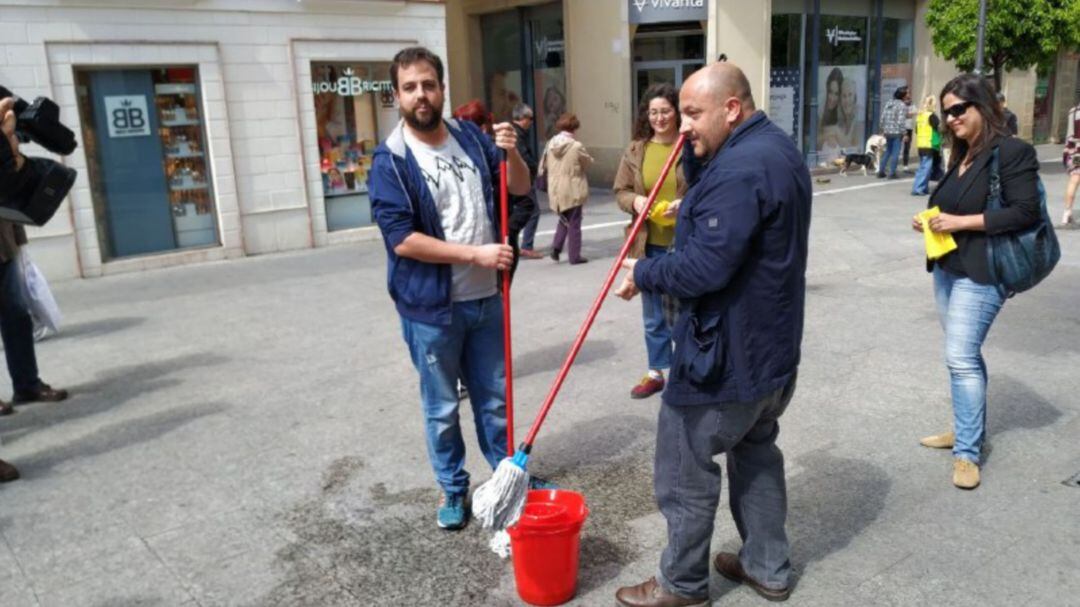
(842, 102)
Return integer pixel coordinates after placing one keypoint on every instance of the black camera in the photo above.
(32, 195)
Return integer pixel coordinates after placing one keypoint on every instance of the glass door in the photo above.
(147, 159)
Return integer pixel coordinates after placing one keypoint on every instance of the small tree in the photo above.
(1019, 33)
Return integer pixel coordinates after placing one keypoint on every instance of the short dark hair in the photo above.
(411, 55)
(642, 129)
(977, 90)
(900, 93)
(567, 122)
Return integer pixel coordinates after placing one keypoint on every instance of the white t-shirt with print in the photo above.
(457, 188)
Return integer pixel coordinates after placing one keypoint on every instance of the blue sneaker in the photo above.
(535, 482)
(453, 512)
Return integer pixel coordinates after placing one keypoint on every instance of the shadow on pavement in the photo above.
(110, 391)
(97, 328)
(1013, 405)
(550, 358)
(115, 436)
(831, 503)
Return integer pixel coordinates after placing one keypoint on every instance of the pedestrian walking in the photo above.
(967, 299)
(909, 127)
(655, 131)
(893, 120)
(739, 271)
(1071, 158)
(563, 165)
(525, 212)
(432, 185)
(927, 142)
(1012, 125)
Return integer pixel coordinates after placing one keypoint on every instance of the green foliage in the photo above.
(1019, 33)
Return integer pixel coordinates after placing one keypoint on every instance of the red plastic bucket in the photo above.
(544, 544)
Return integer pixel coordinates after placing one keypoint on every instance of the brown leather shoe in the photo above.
(8, 472)
(43, 394)
(531, 254)
(6, 408)
(728, 565)
(651, 594)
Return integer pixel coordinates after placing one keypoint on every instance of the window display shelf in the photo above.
(189, 188)
(174, 89)
(179, 123)
(362, 192)
(182, 156)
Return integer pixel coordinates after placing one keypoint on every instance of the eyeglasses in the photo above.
(663, 112)
(956, 110)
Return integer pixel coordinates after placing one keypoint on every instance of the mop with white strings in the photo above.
(498, 503)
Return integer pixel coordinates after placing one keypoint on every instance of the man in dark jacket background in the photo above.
(738, 269)
(524, 211)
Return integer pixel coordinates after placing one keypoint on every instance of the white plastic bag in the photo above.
(39, 298)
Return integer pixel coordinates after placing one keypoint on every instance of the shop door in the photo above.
(648, 73)
(133, 178)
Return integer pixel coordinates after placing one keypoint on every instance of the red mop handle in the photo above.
(508, 358)
(584, 331)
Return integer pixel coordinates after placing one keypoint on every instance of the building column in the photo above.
(743, 31)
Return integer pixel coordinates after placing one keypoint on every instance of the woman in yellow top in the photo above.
(655, 132)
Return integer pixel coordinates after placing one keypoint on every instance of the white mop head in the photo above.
(500, 544)
(498, 503)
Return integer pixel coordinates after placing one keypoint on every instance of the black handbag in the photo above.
(1019, 260)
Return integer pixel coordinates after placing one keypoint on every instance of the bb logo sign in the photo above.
(127, 116)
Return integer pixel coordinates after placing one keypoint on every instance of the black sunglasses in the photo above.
(957, 110)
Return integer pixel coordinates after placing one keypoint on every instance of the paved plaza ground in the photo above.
(248, 433)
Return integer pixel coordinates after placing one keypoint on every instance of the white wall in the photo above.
(253, 98)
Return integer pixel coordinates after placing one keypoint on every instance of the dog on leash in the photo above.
(867, 161)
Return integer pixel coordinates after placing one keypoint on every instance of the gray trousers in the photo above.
(687, 483)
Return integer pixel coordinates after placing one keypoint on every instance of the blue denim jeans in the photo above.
(891, 155)
(657, 332)
(922, 175)
(471, 347)
(17, 328)
(967, 310)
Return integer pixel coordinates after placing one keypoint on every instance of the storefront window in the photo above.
(841, 86)
(524, 61)
(131, 116)
(1044, 101)
(354, 110)
(785, 75)
(898, 39)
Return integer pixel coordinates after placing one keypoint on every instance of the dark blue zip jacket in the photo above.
(402, 204)
(738, 269)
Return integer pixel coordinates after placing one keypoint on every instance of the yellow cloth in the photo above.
(661, 229)
(937, 243)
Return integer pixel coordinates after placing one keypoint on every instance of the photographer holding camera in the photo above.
(16, 326)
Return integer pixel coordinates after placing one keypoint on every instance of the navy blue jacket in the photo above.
(402, 204)
(738, 269)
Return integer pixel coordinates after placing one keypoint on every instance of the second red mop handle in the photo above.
(526, 445)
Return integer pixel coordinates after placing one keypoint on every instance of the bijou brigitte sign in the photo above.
(350, 85)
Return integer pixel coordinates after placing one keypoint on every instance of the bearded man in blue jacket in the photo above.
(738, 269)
(431, 187)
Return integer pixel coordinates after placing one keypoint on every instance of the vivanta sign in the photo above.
(663, 11)
(351, 85)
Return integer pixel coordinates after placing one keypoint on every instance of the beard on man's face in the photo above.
(426, 125)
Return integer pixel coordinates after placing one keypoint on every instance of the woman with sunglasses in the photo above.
(967, 300)
(655, 132)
